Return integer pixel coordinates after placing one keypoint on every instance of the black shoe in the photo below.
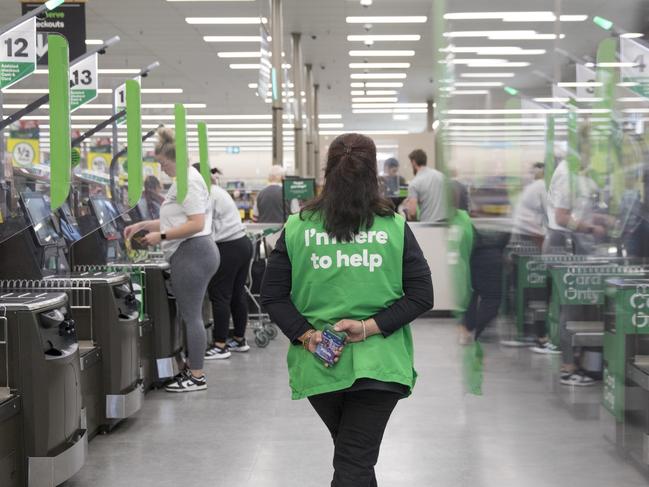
(188, 383)
(239, 346)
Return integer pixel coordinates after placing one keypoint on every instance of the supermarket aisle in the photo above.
(246, 432)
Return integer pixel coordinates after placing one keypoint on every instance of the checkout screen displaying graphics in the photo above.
(106, 215)
(40, 217)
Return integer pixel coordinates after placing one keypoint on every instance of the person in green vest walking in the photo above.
(350, 261)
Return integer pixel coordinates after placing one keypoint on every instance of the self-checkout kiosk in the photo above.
(106, 314)
(161, 339)
(43, 415)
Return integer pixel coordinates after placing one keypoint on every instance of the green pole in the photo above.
(181, 151)
(61, 145)
(204, 153)
(134, 141)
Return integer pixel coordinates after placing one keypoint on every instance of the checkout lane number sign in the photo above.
(119, 100)
(17, 53)
(84, 83)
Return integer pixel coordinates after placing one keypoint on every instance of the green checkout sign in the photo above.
(17, 53)
(299, 189)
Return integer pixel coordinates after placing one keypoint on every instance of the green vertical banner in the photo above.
(602, 130)
(60, 143)
(134, 141)
(573, 157)
(203, 147)
(181, 151)
(550, 162)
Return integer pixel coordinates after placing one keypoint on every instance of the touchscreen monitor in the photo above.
(40, 217)
(106, 215)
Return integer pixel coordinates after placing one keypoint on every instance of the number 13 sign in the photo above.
(17, 53)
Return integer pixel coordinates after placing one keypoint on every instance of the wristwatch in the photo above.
(163, 236)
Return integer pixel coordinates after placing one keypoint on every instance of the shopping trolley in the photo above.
(263, 328)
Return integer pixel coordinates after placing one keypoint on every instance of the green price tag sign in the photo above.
(299, 189)
(17, 53)
(84, 83)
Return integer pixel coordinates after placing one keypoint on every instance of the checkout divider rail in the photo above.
(5, 343)
(79, 292)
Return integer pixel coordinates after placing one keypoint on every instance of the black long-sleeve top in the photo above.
(417, 292)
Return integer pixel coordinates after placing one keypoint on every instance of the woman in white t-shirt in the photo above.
(185, 231)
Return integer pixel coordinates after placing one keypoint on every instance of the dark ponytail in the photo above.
(350, 199)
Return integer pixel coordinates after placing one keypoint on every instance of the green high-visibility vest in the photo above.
(332, 281)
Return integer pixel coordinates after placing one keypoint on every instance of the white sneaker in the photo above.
(239, 346)
(546, 348)
(217, 353)
(187, 383)
(577, 379)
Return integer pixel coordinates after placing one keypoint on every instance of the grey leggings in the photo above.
(192, 266)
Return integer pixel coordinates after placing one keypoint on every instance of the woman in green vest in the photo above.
(350, 261)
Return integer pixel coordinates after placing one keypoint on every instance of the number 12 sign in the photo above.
(17, 53)
(84, 83)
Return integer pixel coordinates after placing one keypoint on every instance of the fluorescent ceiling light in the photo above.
(210, 0)
(119, 71)
(331, 125)
(632, 35)
(505, 36)
(584, 84)
(399, 117)
(393, 53)
(232, 38)
(160, 91)
(543, 16)
(245, 54)
(375, 100)
(469, 92)
(495, 120)
(378, 84)
(488, 33)
(379, 65)
(487, 75)
(413, 19)
(330, 116)
(501, 111)
(375, 93)
(378, 75)
(469, 84)
(94, 42)
(552, 100)
(357, 93)
(611, 65)
(490, 63)
(226, 20)
(632, 99)
(497, 51)
(387, 37)
(389, 105)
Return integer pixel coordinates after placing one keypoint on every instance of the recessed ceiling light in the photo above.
(378, 75)
(245, 54)
(487, 75)
(386, 37)
(232, 38)
(226, 20)
(415, 19)
(379, 65)
(372, 53)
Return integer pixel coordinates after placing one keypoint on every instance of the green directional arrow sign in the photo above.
(134, 141)
(181, 151)
(84, 82)
(60, 143)
(17, 53)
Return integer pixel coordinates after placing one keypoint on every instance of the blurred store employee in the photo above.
(348, 260)
(426, 190)
(227, 288)
(530, 212)
(391, 181)
(269, 206)
(185, 231)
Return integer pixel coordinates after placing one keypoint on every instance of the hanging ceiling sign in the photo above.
(635, 69)
(17, 53)
(84, 82)
(119, 99)
(68, 19)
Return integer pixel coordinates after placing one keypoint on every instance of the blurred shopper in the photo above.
(227, 288)
(391, 181)
(426, 192)
(530, 212)
(185, 231)
(462, 199)
(152, 199)
(269, 206)
(349, 260)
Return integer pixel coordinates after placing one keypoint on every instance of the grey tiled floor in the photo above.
(244, 431)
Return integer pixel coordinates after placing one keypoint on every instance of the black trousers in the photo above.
(356, 421)
(486, 278)
(226, 290)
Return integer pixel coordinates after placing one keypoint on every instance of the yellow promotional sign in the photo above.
(151, 169)
(24, 152)
(99, 158)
